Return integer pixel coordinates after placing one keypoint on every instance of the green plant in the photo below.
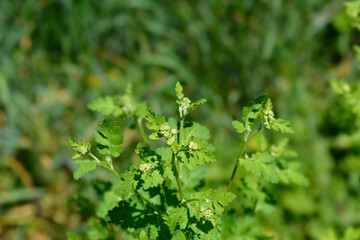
(151, 200)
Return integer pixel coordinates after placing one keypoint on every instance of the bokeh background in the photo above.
(58, 55)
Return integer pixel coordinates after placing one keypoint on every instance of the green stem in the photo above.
(94, 157)
(191, 200)
(246, 140)
(114, 172)
(177, 176)
(141, 130)
(236, 166)
(181, 131)
(177, 168)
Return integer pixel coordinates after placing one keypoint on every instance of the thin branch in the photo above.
(177, 176)
(141, 130)
(247, 138)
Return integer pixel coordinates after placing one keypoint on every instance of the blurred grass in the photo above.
(58, 55)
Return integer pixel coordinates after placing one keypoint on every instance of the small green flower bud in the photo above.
(145, 167)
(171, 140)
(83, 150)
(208, 214)
(184, 106)
(192, 145)
(173, 131)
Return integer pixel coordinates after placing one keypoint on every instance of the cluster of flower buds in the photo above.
(164, 130)
(184, 106)
(168, 133)
(207, 214)
(145, 167)
(268, 117)
(84, 148)
(192, 146)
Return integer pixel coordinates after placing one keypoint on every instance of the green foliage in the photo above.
(109, 142)
(197, 153)
(178, 218)
(155, 122)
(125, 106)
(276, 124)
(349, 94)
(80, 148)
(125, 187)
(216, 200)
(72, 236)
(252, 111)
(261, 165)
(353, 10)
(108, 138)
(226, 51)
(106, 106)
(84, 166)
(185, 104)
(96, 230)
(239, 126)
(292, 174)
(260, 108)
(350, 234)
(178, 90)
(242, 229)
(150, 200)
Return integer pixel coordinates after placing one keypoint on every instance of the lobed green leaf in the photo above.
(109, 138)
(154, 121)
(292, 175)
(252, 111)
(282, 126)
(178, 90)
(125, 188)
(239, 126)
(195, 105)
(196, 131)
(152, 179)
(83, 167)
(97, 231)
(261, 165)
(177, 218)
(80, 147)
(105, 105)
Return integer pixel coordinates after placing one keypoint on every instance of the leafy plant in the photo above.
(150, 199)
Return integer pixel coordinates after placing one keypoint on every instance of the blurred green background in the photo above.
(58, 55)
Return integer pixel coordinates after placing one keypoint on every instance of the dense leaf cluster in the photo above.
(151, 200)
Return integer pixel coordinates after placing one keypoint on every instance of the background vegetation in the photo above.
(59, 55)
